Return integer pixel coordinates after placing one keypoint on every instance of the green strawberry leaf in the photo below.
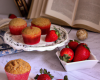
(61, 57)
(76, 41)
(65, 77)
(66, 46)
(48, 73)
(70, 40)
(86, 47)
(36, 76)
(65, 58)
(41, 70)
(45, 71)
(57, 32)
(51, 76)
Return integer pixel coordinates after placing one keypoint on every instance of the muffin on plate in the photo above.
(43, 23)
(17, 69)
(16, 26)
(31, 35)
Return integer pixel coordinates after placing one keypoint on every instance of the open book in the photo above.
(75, 13)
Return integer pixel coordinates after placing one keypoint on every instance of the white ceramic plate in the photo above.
(16, 41)
(4, 77)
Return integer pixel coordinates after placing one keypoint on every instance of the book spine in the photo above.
(22, 7)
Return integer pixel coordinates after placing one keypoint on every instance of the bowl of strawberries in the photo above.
(76, 56)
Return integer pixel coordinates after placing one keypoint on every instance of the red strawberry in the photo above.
(12, 16)
(66, 54)
(82, 52)
(51, 36)
(81, 44)
(44, 77)
(73, 44)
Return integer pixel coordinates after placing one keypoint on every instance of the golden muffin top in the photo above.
(17, 66)
(41, 21)
(31, 30)
(17, 22)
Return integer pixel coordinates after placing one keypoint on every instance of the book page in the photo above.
(33, 9)
(39, 7)
(53, 20)
(42, 12)
(61, 9)
(88, 13)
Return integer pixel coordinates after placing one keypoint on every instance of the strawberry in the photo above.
(66, 54)
(12, 16)
(53, 35)
(73, 44)
(82, 52)
(81, 44)
(44, 75)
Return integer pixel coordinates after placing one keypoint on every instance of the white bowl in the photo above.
(91, 62)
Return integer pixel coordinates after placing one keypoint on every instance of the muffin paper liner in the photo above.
(17, 76)
(44, 29)
(17, 30)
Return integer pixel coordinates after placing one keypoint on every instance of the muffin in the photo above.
(42, 23)
(16, 26)
(17, 69)
(31, 35)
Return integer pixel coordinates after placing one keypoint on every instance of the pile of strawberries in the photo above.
(75, 51)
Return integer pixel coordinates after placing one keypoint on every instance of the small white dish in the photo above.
(91, 62)
(16, 41)
(4, 77)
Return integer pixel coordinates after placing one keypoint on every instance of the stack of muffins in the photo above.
(31, 34)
